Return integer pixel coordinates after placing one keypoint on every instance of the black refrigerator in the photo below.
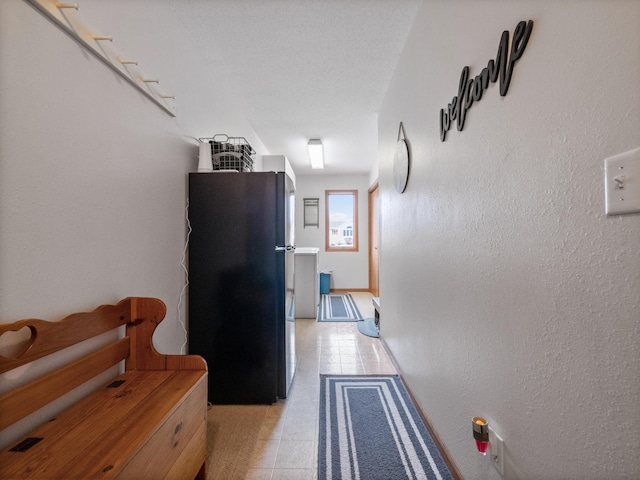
(241, 311)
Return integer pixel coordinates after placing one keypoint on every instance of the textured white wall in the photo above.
(507, 292)
(350, 269)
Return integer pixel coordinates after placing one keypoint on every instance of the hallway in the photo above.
(279, 442)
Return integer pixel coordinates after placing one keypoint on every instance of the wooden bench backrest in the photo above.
(140, 315)
(51, 337)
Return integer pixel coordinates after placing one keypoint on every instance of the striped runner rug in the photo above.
(338, 307)
(369, 429)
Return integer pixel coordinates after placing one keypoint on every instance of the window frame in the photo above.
(327, 225)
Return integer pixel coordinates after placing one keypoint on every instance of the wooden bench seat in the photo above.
(147, 423)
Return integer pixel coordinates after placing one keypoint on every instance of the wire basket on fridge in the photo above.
(231, 153)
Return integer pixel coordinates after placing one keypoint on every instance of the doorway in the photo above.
(374, 238)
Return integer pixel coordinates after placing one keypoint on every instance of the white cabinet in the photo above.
(307, 291)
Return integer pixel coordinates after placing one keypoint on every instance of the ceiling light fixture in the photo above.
(315, 154)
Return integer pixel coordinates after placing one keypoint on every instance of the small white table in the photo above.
(306, 287)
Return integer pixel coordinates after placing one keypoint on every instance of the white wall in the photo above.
(350, 270)
(507, 292)
(93, 175)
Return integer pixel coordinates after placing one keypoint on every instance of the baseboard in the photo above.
(347, 290)
(446, 456)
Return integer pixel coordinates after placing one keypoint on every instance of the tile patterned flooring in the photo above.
(287, 441)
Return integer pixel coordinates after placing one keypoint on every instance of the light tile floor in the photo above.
(287, 445)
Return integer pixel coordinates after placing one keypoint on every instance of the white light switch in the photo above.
(622, 183)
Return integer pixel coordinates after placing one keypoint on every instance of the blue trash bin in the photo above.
(325, 283)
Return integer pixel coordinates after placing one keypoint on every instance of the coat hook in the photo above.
(100, 37)
(67, 5)
(145, 80)
(128, 62)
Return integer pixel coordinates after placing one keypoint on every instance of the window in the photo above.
(341, 221)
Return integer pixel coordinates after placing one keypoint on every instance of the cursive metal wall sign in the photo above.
(471, 89)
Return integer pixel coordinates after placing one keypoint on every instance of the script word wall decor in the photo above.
(471, 89)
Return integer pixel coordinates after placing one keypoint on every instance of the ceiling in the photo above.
(305, 69)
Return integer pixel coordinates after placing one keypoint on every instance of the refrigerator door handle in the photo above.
(287, 248)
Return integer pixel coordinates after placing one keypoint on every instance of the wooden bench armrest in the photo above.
(146, 314)
(185, 362)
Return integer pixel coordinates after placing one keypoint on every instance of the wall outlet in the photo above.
(496, 451)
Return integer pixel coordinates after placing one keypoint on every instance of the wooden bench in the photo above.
(147, 423)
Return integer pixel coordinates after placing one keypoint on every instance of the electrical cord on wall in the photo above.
(186, 284)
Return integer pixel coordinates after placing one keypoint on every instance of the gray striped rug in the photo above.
(369, 429)
(338, 307)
